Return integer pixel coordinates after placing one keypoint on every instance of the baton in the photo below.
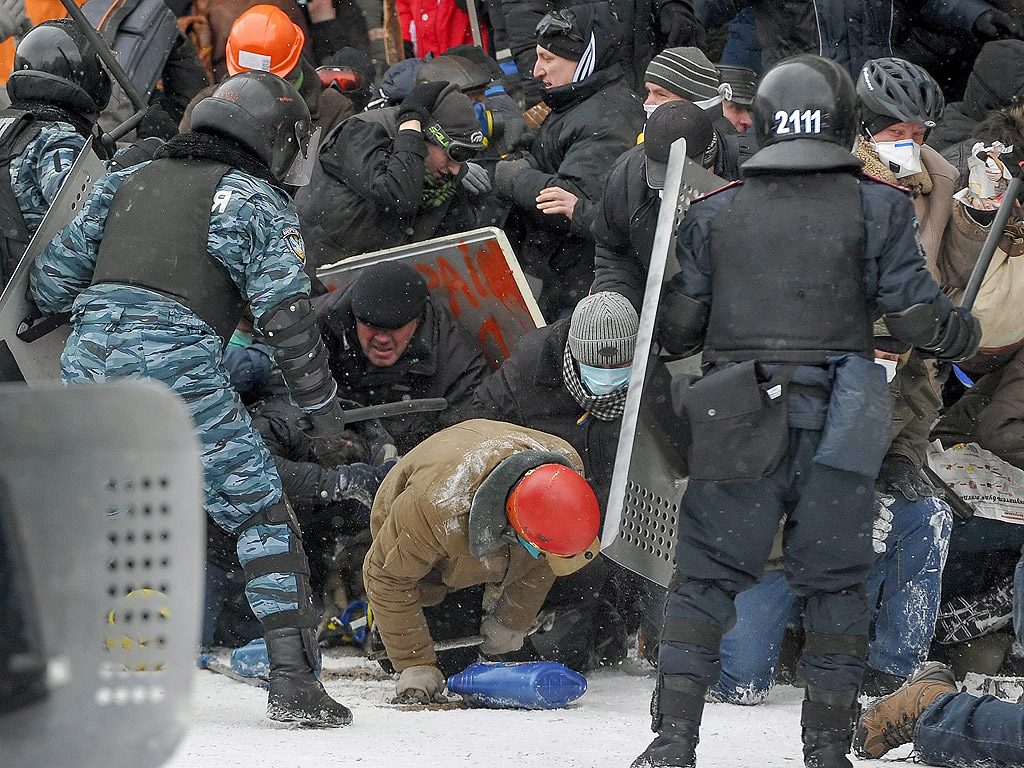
(960, 508)
(397, 408)
(995, 234)
(441, 645)
(205, 661)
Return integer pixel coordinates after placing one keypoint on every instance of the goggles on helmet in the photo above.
(560, 23)
(344, 79)
(456, 150)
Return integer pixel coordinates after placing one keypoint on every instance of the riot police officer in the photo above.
(792, 416)
(57, 89)
(156, 270)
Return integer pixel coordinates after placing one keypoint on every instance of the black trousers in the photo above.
(725, 538)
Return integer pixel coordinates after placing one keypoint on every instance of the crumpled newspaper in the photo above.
(988, 177)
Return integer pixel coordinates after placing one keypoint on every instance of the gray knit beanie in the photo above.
(603, 330)
(686, 72)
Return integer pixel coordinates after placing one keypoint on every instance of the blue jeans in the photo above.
(964, 730)
(904, 585)
(750, 650)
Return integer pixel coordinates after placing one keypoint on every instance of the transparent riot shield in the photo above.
(102, 530)
(474, 274)
(648, 479)
(30, 352)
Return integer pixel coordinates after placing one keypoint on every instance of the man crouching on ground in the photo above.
(479, 503)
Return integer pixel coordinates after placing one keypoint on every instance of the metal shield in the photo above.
(101, 494)
(474, 274)
(39, 360)
(648, 479)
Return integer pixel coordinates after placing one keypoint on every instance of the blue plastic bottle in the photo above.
(251, 660)
(527, 685)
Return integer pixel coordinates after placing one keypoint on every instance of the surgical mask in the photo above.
(603, 381)
(649, 108)
(903, 157)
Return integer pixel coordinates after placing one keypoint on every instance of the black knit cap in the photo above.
(388, 295)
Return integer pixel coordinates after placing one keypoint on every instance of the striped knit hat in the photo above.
(603, 330)
(687, 72)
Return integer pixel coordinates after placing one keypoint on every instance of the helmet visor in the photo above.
(301, 169)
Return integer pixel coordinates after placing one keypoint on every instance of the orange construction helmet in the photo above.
(264, 38)
(554, 509)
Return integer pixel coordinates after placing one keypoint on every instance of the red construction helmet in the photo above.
(264, 38)
(555, 510)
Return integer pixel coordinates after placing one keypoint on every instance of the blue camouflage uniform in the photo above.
(39, 171)
(122, 331)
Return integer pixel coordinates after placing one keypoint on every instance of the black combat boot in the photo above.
(296, 696)
(675, 746)
(828, 720)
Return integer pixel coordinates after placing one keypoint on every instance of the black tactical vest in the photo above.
(156, 237)
(17, 129)
(787, 265)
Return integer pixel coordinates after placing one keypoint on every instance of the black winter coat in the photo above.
(624, 227)
(366, 192)
(591, 123)
(848, 31)
(442, 360)
(996, 82)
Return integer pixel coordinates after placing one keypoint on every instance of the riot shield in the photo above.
(101, 500)
(474, 274)
(648, 479)
(23, 357)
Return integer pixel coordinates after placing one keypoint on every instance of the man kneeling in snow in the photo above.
(480, 503)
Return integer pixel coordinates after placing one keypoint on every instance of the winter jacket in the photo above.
(434, 26)
(991, 414)
(996, 82)
(951, 242)
(591, 123)
(421, 545)
(848, 31)
(623, 228)
(442, 360)
(367, 190)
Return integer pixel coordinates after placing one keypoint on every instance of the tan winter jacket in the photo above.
(420, 529)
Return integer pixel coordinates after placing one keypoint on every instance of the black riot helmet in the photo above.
(892, 91)
(54, 63)
(469, 76)
(267, 116)
(806, 117)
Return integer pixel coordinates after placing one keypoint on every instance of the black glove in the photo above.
(419, 102)
(360, 482)
(506, 172)
(960, 337)
(898, 473)
(678, 26)
(996, 25)
(156, 123)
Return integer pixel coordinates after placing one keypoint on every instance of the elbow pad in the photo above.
(291, 329)
(681, 322)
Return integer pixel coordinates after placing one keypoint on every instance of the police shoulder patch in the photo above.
(293, 238)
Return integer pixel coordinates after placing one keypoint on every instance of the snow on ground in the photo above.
(606, 728)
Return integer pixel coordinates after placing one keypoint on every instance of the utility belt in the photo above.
(739, 426)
